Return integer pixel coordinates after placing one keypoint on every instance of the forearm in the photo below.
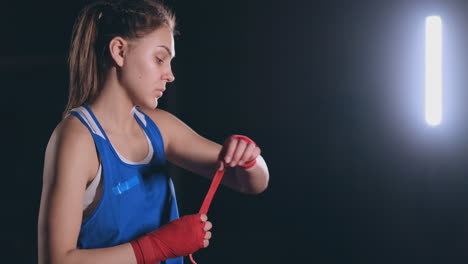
(118, 254)
(252, 180)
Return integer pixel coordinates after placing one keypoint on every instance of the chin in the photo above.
(149, 104)
(155, 103)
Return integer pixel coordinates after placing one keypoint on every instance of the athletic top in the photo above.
(90, 192)
(136, 198)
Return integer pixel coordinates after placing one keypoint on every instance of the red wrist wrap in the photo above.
(177, 238)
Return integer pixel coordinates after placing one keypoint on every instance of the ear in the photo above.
(117, 48)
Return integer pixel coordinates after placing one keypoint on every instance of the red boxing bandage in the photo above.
(177, 238)
(248, 164)
(219, 176)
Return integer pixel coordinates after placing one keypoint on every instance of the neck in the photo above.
(114, 108)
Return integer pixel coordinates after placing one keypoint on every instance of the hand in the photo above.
(177, 238)
(238, 151)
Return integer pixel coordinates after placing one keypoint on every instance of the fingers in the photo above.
(208, 226)
(231, 147)
(256, 152)
(241, 145)
(237, 152)
(248, 154)
(207, 237)
(203, 217)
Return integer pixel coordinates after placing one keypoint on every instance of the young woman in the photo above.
(105, 198)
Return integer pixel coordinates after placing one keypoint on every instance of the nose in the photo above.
(169, 76)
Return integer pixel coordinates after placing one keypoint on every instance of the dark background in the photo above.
(333, 93)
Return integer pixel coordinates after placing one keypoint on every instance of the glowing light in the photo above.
(433, 70)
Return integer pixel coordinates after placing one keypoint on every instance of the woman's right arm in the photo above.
(70, 161)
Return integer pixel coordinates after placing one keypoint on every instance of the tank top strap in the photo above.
(153, 133)
(85, 117)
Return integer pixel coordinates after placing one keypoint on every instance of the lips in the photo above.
(159, 92)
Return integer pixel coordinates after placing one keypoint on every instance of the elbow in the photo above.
(64, 258)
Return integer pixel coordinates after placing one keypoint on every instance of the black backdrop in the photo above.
(331, 90)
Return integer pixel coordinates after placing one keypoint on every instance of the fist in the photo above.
(238, 151)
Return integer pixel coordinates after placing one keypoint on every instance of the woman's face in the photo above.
(147, 67)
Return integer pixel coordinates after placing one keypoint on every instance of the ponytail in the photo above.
(96, 25)
(84, 79)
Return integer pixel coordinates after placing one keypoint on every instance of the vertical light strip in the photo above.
(433, 70)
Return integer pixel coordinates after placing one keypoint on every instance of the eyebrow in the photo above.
(167, 49)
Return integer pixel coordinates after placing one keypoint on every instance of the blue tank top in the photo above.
(136, 198)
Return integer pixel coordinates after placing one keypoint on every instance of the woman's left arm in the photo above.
(187, 149)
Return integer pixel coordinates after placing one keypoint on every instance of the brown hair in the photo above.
(97, 24)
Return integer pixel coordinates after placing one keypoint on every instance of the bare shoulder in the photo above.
(170, 126)
(70, 142)
(71, 127)
(71, 134)
(159, 116)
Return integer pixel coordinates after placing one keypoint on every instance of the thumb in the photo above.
(220, 166)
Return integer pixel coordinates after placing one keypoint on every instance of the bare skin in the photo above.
(142, 69)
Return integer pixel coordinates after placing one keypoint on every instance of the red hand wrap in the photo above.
(177, 238)
(248, 164)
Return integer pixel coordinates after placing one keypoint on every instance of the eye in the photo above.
(159, 61)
